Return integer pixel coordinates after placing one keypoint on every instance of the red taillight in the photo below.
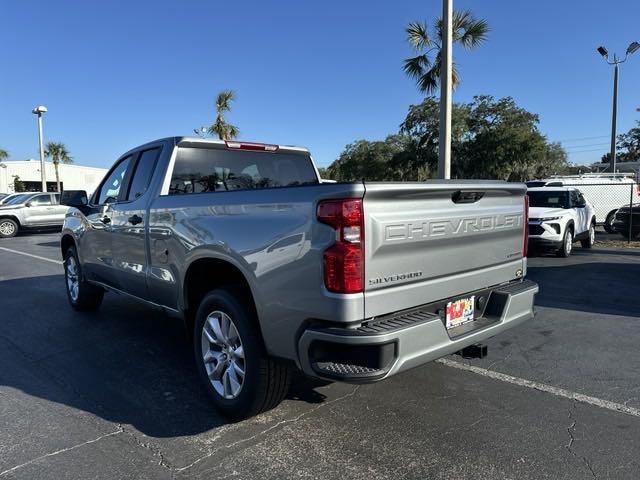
(525, 247)
(343, 261)
(264, 147)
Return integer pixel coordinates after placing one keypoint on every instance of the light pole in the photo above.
(39, 110)
(444, 140)
(633, 47)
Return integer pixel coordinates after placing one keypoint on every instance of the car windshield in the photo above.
(550, 199)
(18, 199)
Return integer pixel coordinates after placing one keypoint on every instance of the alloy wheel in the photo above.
(7, 228)
(73, 282)
(223, 354)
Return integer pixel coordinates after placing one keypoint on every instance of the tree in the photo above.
(18, 185)
(491, 139)
(224, 130)
(58, 153)
(3, 154)
(424, 68)
(627, 146)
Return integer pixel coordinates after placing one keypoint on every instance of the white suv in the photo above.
(558, 216)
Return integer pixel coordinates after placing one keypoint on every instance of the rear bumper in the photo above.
(395, 343)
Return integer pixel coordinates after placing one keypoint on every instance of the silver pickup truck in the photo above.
(272, 269)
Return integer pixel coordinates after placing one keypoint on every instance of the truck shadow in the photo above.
(126, 363)
(596, 287)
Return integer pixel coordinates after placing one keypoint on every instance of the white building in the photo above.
(72, 177)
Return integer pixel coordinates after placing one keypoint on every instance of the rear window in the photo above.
(200, 170)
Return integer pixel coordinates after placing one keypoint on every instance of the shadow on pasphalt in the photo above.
(126, 362)
(596, 287)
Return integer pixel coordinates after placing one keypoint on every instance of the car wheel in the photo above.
(591, 239)
(81, 295)
(238, 375)
(608, 223)
(8, 228)
(567, 243)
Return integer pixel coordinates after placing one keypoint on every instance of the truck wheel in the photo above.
(239, 377)
(608, 223)
(567, 243)
(8, 228)
(81, 295)
(591, 239)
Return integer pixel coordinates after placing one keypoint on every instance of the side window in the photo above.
(144, 170)
(56, 199)
(110, 189)
(39, 200)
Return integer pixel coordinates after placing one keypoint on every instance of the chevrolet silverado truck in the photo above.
(273, 269)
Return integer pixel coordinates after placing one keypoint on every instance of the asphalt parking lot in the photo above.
(114, 394)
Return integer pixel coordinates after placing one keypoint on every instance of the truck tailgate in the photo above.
(430, 241)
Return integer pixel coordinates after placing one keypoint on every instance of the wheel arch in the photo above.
(11, 217)
(67, 241)
(208, 273)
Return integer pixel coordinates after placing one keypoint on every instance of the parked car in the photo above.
(31, 210)
(624, 216)
(605, 191)
(272, 269)
(559, 216)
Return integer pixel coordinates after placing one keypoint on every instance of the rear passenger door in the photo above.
(58, 211)
(129, 224)
(579, 207)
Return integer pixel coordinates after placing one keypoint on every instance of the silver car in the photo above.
(31, 210)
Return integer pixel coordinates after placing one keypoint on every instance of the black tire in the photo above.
(87, 297)
(8, 228)
(608, 223)
(266, 380)
(567, 243)
(591, 239)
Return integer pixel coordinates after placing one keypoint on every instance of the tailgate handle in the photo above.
(466, 197)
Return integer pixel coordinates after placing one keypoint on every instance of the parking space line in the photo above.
(543, 387)
(58, 262)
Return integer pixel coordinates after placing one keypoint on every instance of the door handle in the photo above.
(135, 220)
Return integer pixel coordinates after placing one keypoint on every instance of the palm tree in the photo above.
(224, 130)
(3, 154)
(58, 153)
(425, 67)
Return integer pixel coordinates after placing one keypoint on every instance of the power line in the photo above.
(583, 138)
(583, 151)
(588, 145)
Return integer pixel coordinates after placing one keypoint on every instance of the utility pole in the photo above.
(444, 141)
(633, 47)
(43, 175)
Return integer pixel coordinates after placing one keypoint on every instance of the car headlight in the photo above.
(548, 219)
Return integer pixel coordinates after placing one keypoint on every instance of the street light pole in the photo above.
(43, 175)
(614, 116)
(631, 49)
(444, 141)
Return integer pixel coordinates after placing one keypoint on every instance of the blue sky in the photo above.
(115, 74)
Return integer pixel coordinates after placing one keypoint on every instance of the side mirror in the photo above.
(28, 204)
(581, 205)
(74, 198)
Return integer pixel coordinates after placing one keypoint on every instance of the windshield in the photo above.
(18, 199)
(549, 199)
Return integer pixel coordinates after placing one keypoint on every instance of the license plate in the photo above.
(459, 312)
